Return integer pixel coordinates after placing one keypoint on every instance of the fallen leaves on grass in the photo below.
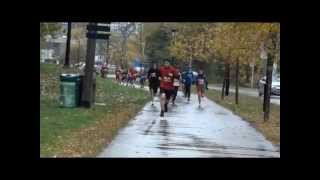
(250, 109)
(89, 141)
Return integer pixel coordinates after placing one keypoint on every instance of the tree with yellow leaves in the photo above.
(233, 43)
(190, 42)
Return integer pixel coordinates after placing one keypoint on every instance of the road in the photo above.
(247, 91)
(189, 131)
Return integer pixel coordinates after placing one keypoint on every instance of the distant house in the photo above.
(53, 48)
(59, 46)
(99, 59)
(46, 54)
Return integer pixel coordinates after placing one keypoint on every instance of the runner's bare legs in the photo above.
(152, 95)
(199, 97)
(162, 100)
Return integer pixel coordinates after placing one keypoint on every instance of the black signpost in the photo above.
(98, 36)
(96, 31)
(98, 28)
(89, 81)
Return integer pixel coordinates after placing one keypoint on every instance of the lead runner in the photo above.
(167, 73)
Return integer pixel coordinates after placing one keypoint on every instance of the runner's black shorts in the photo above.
(154, 86)
(167, 92)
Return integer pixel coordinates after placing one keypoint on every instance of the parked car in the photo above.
(275, 86)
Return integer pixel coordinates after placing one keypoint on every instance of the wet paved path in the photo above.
(189, 131)
(249, 92)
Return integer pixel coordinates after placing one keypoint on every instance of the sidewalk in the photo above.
(189, 131)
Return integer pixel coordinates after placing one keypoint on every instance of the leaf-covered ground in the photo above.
(81, 132)
(250, 109)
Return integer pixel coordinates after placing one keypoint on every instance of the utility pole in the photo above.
(88, 91)
(67, 55)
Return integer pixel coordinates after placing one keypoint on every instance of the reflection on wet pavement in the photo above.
(189, 131)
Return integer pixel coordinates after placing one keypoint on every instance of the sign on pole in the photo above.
(98, 28)
(97, 36)
(98, 31)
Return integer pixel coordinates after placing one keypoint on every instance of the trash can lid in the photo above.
(69, 77)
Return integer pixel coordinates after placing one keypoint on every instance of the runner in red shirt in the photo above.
(167, 73)
(132, 76)
(118, 74)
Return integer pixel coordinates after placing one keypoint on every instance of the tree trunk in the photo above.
(222, 92)
(252, 75)
(190, 62)
(107, 52)
(67, 57)
(248, 68)
(79, 51)
(267, 89)
(227, 78)
(237, 82)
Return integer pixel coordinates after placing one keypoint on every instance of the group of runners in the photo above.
(168, 79)
(130, 76)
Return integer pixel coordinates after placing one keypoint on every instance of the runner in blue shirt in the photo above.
(188, 77)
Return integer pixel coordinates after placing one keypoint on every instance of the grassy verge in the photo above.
(81, 132)
(250, 109)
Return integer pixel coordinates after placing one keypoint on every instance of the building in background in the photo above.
(54, 49)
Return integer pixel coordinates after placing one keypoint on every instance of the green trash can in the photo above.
(70, 90)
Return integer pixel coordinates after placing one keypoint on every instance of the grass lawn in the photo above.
(81, 132)
(250, 109)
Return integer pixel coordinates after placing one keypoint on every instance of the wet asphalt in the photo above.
(188, 131)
